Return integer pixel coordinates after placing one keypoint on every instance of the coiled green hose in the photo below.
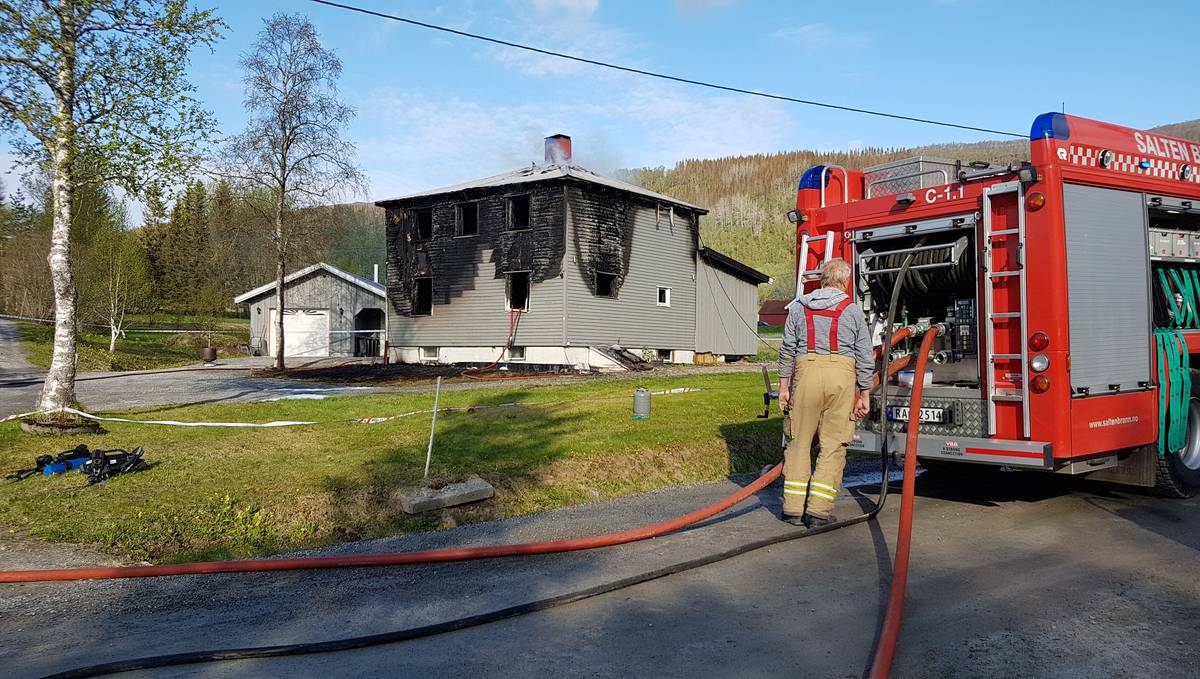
(1175, 390)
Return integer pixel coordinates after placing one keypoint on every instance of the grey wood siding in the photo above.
(478, 317)
(723, 324)
(609, 231)
(318, 290)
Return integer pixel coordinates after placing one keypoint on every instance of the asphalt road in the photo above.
(1016, 576)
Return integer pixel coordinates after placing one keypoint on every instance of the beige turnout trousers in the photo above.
(822, 404)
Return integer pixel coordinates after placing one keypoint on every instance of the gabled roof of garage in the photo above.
(364, 283)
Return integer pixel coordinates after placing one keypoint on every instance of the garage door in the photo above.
(305, 332)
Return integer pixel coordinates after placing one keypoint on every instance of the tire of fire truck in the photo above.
(1178, 474)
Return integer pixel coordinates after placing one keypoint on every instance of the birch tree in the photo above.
(115, 279)
(94, 90)
(292, 148)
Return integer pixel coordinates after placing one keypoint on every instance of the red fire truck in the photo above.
(1068, 288)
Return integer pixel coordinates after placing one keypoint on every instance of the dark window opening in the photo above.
(518, 291)
(424, 219)
(422, 297)
(516, 353)
(664, 297)
(518, 213)
(665, 355)
(468, 219)
(606, 284)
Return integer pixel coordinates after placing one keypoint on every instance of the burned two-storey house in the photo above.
(561, 265)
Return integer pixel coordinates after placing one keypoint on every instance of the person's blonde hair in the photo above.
(835, 274)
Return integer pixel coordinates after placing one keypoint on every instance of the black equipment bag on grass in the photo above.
(98, 465)
(104, 464)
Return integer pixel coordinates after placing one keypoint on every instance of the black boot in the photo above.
(814, 521)
(794, 519)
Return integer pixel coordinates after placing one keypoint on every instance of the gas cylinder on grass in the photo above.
(641, 404)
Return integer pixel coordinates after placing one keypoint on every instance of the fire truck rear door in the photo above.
(1108, 289)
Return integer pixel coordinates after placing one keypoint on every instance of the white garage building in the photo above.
(329, 312)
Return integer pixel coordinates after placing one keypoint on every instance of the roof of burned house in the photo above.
(538, 173)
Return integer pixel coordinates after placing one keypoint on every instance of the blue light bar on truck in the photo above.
(1050, 126)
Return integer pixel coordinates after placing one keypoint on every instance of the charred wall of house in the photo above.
(452, 260)
(602, 221)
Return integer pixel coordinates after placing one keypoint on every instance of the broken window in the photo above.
(518, 213)
(422, 297)
(516, 353)
(664, 297)
(518, 291)
(468, 219)
(666, 355)
(424, 218)
(606, 284)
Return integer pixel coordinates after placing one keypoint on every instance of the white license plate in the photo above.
(901, 414)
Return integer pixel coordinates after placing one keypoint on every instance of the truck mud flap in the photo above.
(1027, 454)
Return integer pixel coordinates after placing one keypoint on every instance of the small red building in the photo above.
(773, 312)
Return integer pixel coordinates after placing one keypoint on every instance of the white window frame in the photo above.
(516, 353)
(423, 353)
(658, 296)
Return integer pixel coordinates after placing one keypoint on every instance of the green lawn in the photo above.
(135, 351)
(185, 321)
(215, 493)
(768, 349)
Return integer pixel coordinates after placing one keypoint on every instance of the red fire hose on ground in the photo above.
(889, 635)
(880, 667)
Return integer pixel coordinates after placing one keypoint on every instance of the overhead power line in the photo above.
(664, 76)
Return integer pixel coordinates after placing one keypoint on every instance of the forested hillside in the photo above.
(213, 243)
(748, 196)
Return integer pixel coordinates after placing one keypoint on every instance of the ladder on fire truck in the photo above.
(803, 274)
(996, 277)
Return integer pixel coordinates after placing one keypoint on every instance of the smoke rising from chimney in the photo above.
(558, 150)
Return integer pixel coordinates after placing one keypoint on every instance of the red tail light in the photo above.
(1040, 384)
(1039, 341)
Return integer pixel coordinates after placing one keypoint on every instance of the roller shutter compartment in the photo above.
(1108, 288)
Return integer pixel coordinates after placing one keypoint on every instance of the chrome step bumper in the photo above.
(1027, 454)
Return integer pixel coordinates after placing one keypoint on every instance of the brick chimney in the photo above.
(558, 150)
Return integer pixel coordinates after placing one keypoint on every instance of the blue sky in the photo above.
(434, 109)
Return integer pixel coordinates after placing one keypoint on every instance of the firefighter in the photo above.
(825, 367)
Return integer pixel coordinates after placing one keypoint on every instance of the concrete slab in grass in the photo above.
(424, 499)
